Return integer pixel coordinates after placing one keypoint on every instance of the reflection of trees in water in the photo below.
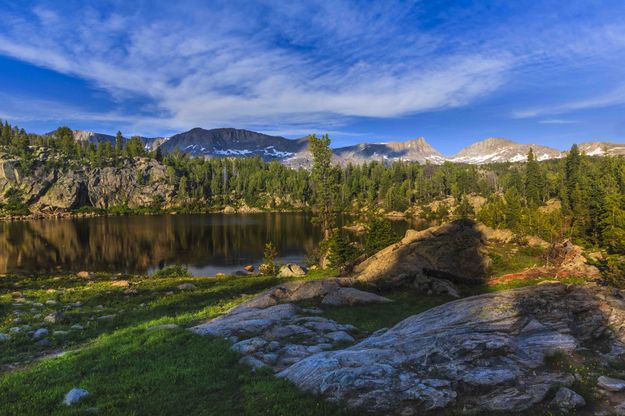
(138, 243)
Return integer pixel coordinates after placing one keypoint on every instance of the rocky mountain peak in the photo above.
(497, 150)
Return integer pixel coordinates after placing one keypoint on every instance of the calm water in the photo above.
(206, 244)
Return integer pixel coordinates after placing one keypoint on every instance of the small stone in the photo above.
(163, 327)
(40, 333)
(186, 286)
(249, 346)
(291, 270)
(59, 333)
(43, 343)
(169, 293)
(567, 399)
(53, 318)
(4, 337)
(252, 362)
(106, 317)
(130, 291)
(18, 321)
(16, 295)
(84, 275)
(120, 283)
(611, 384)
(15, 329)
(51, 302)
(249, 268)
(74, 396)
(340, 336)
(77, 327)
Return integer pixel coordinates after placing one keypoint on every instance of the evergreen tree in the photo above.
(572, 172)
(340, 250)
(464, 210)
(119, 144)
(323, 182)
(533, 181)
(613, 222)
(379, 234)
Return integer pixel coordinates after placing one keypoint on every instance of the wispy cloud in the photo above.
(324, 62)
(557, 121)
(292, 66)
(612, 98)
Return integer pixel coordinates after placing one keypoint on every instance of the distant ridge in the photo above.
(232, 142)
(495, 150)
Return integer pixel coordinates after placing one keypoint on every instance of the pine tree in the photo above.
(119, 144)
(573, 163)
(464, 210)
(323, 182)
(613, 222)
(378, 235)
(340, 250)
(533, 181)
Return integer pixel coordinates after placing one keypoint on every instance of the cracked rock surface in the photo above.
(270, 333)
(481, 354)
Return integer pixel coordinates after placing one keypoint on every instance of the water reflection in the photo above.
(207, 244)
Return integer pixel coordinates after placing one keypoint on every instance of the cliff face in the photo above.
(46, 187)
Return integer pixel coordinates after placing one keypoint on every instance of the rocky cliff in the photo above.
(51, 186)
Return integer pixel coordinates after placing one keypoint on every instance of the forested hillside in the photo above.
(578, 196)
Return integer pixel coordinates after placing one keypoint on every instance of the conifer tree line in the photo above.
(577, 197)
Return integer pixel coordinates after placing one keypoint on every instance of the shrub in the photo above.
(269, 256)
(173, 271)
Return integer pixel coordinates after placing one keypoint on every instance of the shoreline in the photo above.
(139, 212)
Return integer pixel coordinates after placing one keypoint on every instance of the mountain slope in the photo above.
(497, 150)
(417, 150)
(230, 142)
(602, 148)
(233, 142)
(151, 143)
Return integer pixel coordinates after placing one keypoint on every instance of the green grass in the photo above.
(132, 371)
(510, 258)
(369, 318)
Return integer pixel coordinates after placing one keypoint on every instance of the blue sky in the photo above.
(545, 72)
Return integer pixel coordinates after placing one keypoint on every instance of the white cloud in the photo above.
(557, 121)
(291, 64)
(612, 98)
(202, 71)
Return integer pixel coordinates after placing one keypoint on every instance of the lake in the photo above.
(205, 243)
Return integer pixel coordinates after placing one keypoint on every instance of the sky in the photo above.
(454, 72)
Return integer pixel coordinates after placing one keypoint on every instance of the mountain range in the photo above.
(230, 142)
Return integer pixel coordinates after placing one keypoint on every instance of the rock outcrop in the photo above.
(269, 332)
(137, 183)
(455, 251)
(329, 291)
(291, 270)
(479, 354)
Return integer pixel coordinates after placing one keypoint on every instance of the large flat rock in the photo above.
(482, 354)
